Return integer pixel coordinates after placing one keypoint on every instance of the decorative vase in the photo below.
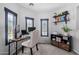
(65, 33)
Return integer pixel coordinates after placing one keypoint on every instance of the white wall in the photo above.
(28, 13)
(73, 24)
(72, 21)
(52, 26)
(3, 48)
(76, 32)
(43, 15)
(73, 9)
(22, 12)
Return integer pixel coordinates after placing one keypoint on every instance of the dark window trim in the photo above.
(8, 10)
(29, 19)
(6, 24)
(47, 27)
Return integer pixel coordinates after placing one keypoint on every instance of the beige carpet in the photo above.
(46, 49)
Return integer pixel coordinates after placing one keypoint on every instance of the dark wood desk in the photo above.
(59, 41)
(16, 41)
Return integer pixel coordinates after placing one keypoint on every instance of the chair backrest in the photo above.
(34, 37)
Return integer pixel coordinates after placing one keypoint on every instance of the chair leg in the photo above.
(22, 49)
(31, 51)
(37, 47)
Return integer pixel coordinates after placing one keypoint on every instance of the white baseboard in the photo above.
(76, 51)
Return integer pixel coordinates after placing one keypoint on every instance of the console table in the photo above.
(61, 41)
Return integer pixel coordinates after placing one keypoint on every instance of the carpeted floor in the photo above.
(46, 49)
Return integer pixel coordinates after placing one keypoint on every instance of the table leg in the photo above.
(31, 51)
(22, 49)
(16, 47)
(9, 49)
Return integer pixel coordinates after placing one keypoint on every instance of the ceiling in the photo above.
(44, 6)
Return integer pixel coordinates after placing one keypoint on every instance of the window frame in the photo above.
(29, 19)
(47, 27)
(6, 24)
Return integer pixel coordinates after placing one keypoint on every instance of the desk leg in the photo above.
(31, 51)
(9, 50)
(37, 47)
(16, 48)
(22, 49)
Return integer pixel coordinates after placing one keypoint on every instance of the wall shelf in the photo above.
(60, 21)
(63, 17)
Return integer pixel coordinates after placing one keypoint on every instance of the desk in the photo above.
(16, 41)
(59, 41)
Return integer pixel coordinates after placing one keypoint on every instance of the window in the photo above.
(10, 24)
(44, 27)
(29, 22)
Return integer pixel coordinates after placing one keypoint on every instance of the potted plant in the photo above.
(66, 30)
